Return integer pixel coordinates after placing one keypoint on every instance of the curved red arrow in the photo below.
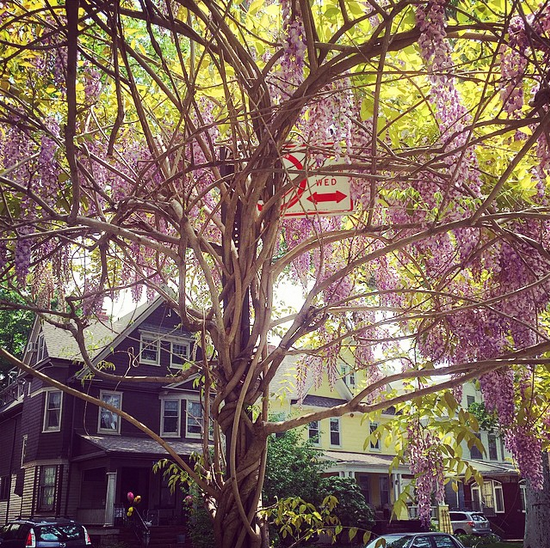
(318, 197)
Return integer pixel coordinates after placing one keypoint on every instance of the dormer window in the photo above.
(149, 350)
(348, 376)
(40, 348)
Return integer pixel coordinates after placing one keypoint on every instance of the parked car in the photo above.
(470, 523)
(415, 540)
(44, 533)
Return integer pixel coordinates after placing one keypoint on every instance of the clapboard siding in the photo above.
(14, 510)
(29, 486)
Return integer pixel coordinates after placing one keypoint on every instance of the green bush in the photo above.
(352, 509)
(475, 541)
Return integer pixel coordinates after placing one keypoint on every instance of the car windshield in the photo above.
(64, 531)
(391, 541)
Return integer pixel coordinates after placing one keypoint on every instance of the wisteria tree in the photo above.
(199, 150)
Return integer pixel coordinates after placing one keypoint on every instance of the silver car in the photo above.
(470, 523)
(415, 540)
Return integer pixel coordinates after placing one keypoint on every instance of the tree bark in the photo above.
(231, 528)
(537, 518)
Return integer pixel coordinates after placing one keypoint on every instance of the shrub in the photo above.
(475, 541)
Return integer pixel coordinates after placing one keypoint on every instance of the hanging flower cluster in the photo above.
(426, 463)
(294, 49)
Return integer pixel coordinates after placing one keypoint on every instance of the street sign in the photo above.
(314, 194)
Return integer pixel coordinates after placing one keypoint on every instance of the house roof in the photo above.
(366, 460)
(492, 468)
(140, 446)
(321, 401)
(100, 335)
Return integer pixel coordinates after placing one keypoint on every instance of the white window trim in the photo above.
(335, 420)
(523, 494)
(182, 342)
(46, 408)
(494, 486)
(40, 347)
(495, 437)
(189, 434)
(176, 434)
(42, 487)
(498, 487)
(154, 338)
(24, 441)
(374, 444)
(312, 440)
(108, 430)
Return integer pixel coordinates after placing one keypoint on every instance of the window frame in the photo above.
(101, 410)
(48, 410)
(499, 499)
(474, 450)
(314, 432)
(492, 445)
(335, 421)
(198, 421)
(523, 495)
(181, 342)
(24, 442)
(144, 346)
(41, 350)
(47, 488)
(374, 444)
(491, 486)
(163, 417)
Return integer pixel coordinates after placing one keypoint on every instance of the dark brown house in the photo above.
(62, 456)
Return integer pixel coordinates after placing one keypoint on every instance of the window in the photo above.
(475, 453)
(170, 418)
(348, 374)
(364, 484)
(109, 422)
(314, 432)
(444, 541)
(470, 400)
(179, 353)
(46, 488)
(493, 453)
(374, 442)
(4, 487)
(334, 431)
(499, 497)
(384, 488)
(490, 496)
(422, 542)
(52, 411)
(149, 349)
(41, 351)
(193, 422)
(523, 494)
(349, 379)
(24, 449)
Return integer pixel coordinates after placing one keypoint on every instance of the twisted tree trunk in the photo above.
(537, 518)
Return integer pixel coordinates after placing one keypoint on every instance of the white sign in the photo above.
(314, 194)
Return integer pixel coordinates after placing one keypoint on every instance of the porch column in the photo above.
(110, 500)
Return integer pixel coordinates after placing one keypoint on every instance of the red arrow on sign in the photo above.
(318, 197)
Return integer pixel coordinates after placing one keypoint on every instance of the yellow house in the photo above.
(353, 444)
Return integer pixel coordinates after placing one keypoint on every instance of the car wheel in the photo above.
(460, 532)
